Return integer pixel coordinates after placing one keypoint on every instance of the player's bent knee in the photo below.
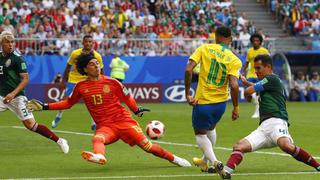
(98, 138)
(287, 147)
(242, 146)
(30, 124)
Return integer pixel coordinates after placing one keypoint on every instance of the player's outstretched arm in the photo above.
(36, 105)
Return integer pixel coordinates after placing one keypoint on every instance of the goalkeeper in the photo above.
(102, 96)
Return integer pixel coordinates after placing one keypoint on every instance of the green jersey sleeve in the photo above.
(21, 65)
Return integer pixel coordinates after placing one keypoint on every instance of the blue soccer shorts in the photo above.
(69, 88)
(204, 116)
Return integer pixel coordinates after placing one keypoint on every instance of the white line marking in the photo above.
(163, 142)
(167, 176)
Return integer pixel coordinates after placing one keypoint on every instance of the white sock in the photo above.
(212, 135)
(206, 147)
(255, 101)
(204, 159)
(59, 115)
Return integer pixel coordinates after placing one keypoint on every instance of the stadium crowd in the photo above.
(298, 17)
(133, 27)
(305, 87)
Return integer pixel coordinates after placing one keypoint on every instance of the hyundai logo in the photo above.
(176, 93)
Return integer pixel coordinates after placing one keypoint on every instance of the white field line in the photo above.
(166, 176)
(163, 142)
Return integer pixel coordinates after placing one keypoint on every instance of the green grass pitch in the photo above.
(26, 155)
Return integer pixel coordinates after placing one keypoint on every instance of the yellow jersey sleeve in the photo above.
(72, 58)
(196, 56)
(235, 66)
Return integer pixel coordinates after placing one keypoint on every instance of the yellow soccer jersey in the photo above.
(74, 75)
(251, 54)
(217, 62)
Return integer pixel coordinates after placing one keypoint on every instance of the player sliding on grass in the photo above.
(14, 78)
(102, 96)
(273, 129)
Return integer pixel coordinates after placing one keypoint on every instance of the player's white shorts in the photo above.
(267, 134)
(18, 106)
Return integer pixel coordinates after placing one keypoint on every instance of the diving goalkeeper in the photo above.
(102, 96)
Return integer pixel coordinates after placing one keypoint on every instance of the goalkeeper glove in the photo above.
(35, 105)
(140, 111)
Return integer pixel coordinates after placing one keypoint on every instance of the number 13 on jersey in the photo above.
(97, 99)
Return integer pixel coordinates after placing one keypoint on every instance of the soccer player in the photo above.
(102, 96)
(13, 80)
(219, 68)
(273, 128)
(256, 41)
(72, 76)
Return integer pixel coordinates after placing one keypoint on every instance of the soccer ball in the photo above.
(155, 129)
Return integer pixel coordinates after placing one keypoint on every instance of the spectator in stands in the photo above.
(6, 26)
(285, 13)
(245, 38)
(182, 18)
(314, 87)
(306, 13)
(24, 11)
(63, 45)
(301, 86)
(295, 16)
(120, 18)
(4, 15)
(243, 20)
(315, 22)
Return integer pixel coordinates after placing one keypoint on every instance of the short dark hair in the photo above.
(86, 36)
(264, 58)
(82, 61)
(223, 31)
(256, 35)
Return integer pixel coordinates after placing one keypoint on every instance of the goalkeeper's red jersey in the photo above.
(102, 99)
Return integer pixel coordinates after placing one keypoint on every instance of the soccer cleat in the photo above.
(255, 115)
(219, 167)
(180, 162)
(318, 168)
(63, 144)
(92, 157)
(55, 122)
(203, 166)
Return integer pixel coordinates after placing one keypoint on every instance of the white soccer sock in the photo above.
(255, 101)
(212, 135)
(255, 98)
(59, 115)
(204, 159)
(206, 147)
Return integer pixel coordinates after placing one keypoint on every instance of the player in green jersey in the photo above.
(273, 128)
(13, 79)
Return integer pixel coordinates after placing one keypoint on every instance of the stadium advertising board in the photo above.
(145, 93)
(142, 93)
